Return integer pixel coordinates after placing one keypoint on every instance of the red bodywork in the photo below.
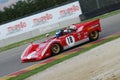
(38, 51)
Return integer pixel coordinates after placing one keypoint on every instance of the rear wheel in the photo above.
(55, 49)
(94, 35)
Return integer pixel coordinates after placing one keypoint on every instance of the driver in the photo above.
(71, 28)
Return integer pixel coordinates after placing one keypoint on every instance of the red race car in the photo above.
(64, 39)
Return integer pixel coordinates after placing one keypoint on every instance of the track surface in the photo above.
(10, 60)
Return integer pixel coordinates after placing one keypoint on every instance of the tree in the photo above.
(26, 7)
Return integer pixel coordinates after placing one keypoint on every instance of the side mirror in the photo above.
(31, 42)
(47, 35)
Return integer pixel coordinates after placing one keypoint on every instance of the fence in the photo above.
(92, 8)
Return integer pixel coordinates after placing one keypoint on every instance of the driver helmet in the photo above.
(58, 33)
(72, 27)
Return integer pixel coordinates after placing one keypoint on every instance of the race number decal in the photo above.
(70, 41)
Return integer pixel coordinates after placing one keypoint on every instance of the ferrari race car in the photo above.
(66, 38)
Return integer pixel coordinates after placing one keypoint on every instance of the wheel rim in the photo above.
(94, 34)
(55, 48)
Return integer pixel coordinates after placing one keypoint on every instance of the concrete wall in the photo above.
(38, 31)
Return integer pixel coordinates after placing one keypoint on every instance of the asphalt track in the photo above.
(10, 60)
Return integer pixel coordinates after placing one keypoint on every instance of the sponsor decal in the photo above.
(80, 28)
(79, 36)
(94, 26)
(16, 28)
(85, 34)
(42, 19)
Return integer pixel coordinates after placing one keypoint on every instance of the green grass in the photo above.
(51, 33)
(41, 68)
(106, 15)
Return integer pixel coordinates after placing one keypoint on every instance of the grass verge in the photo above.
(41, 68)
(106, 15)
(51, 33)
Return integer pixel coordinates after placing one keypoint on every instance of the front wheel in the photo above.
(93, 35)
(55, 49)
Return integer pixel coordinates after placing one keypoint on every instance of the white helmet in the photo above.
(72, 27)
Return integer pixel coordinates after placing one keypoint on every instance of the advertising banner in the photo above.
(40, 20)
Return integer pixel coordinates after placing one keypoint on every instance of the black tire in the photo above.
(93, 35)
(55, 49)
